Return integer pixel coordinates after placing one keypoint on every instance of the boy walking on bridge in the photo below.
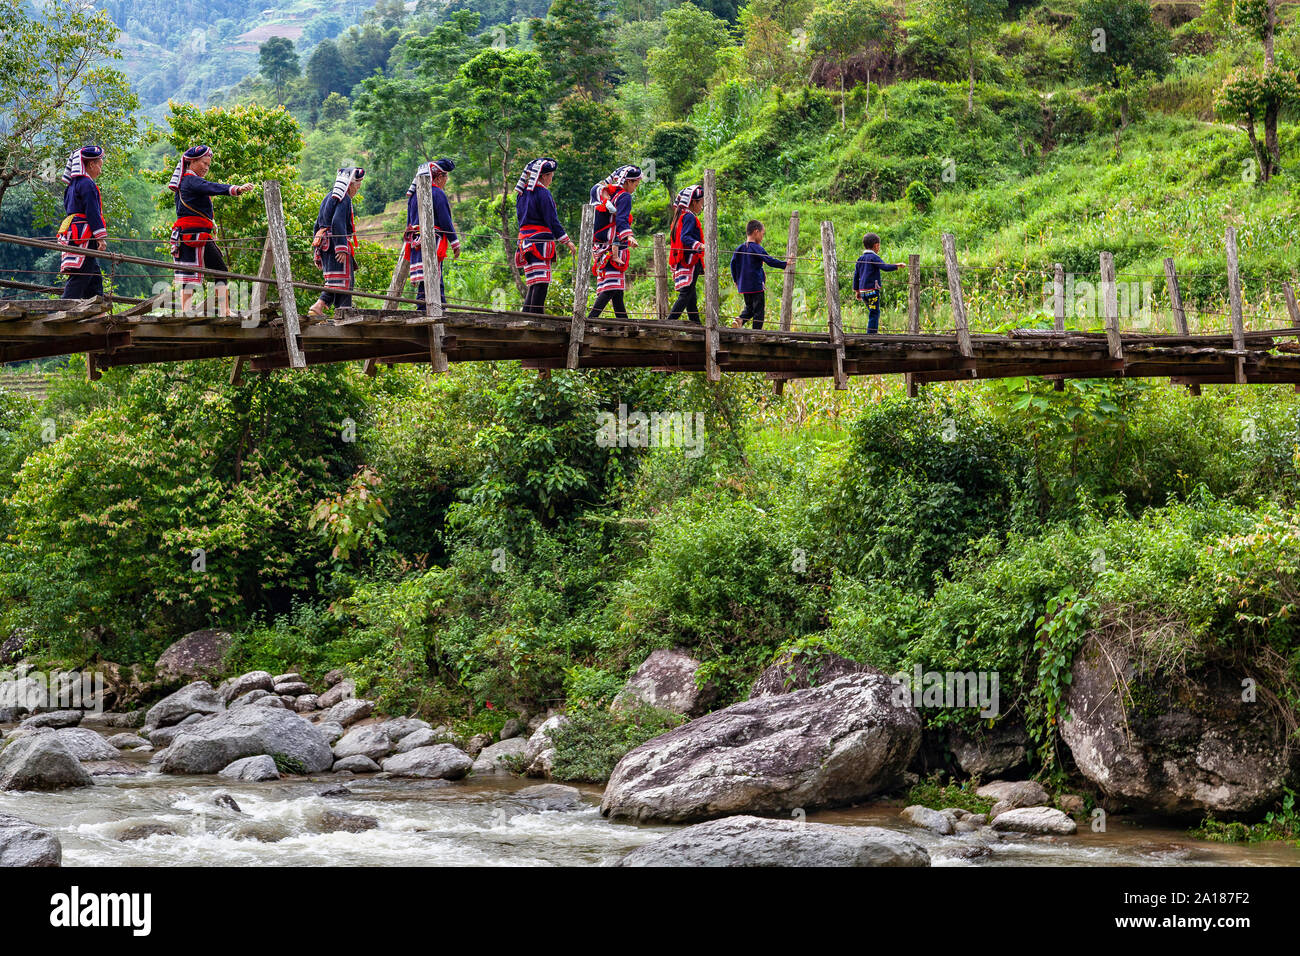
(747, 272)
(866, 279)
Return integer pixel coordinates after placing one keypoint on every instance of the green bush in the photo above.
(592, 743)
(919, 196)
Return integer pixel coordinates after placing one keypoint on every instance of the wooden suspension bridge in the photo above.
(271, 334)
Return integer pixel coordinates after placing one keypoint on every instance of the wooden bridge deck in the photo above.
(38, 328)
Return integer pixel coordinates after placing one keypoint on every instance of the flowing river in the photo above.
(485, 823)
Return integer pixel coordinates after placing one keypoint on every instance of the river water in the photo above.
(485, 823)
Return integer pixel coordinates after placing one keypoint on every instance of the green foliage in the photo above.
(592, 743)
(1061, 631)
(278, 62)
(689, 56)
(1280, 823)
(1110, 34)
(671, 146)
(919, 196)
(574, 42)
(352, 520)
(935, 793)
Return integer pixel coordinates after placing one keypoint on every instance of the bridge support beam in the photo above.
(830, 272)
(1234, 299)
(955, 296)
(432, 270)
(279, 239)
(712, 298)
(913, 315)
(581, 279)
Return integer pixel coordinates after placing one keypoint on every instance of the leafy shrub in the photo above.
(592, 743)
(919, 196)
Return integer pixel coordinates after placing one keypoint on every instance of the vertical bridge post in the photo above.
(581, 280)
(913, 314)
(1058, 310)
(955, 295)
(1110, 306)
(661, 277)
(279, 239)
(432, 270)
(712, 298)
(1234, 298)
(1176, 307)
(830, 268)
(787, 290)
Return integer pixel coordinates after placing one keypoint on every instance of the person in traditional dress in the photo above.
(444, 230)
(686, 253)
(334, 245)
(612, 241)
(539, 230)
(84, 225)
(192, 241)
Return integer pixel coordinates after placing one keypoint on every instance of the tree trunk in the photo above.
(970, 60)
(1271, 144)
(1261, 159)
(868, 113)
(843, 123)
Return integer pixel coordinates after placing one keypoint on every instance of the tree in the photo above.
(503, 97)
(1110, 34)
(768, 55)
(689, 56)
(278, 61)
(1120, 103)
(583, 142)
(967, 22)
(56, 91)
(326, 72)
(1251, 96)
(843, 29)
(671, 146)
(574, 41)
(632, 45)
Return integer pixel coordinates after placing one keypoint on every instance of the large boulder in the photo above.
(338, 692)
(197, 654)
(754, 841)
(990, 753)
(1040, 821)
(85, 744)
(539, 755)
(218, 741)
(348, 712)
(666, 679)
(237, 687)
(368, 741)
(258, 769)
(799, 672)
(41, 762)
(54, 718)
(441, 761)
(23, 693)
(195, 698)
(1176, 745)
(824, 746)
(501, 757)
(25, 844)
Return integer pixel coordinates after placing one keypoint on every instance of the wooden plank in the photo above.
(237, 372)
(913, 314)
(432, 270)
(955, 295)
(1234, 298)
(1110, 305)
(257, 301)
(279, 240)
(832, 279)
(581, 281)
(712, 296)
(661, 277)
(1289, 294)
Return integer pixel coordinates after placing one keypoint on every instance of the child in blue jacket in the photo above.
(866, 279)
(747, 272)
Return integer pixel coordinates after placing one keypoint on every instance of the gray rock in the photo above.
(929, 819)
(289, 677)
(552, 797)
(348, 712)
(499, 757)
(24, 693)
(134, 718)
(333, 732)
(305, 704)
(287, 702)
(474, 746)
(12, 648)
(343, 690)
(965, 826)
(252, 697)
(126, 741)
(111, 768)
(979, 819)
(196, 698)
(755, 841)
(336, 821)
(990, 753)
(512, 728)
(418, 738)
(271, 702)
(1036, 820)
(666, 680)
(441, 761)
(143, 831)
(359, 763)
(369, 741)
(85, 744)
(11, 715)
(800, 672)
(252, 769)
(825, 746)
(1192, 747)
(215, 743)
(333, 677)
(292, 688)
(1071, 803)
(237, 687)
(226, 802)
(1015, 793)
(54, 718)
(41, 762)
(163, 736)
(540, 754)
(26, 844)
(197, 654)
(399, 728)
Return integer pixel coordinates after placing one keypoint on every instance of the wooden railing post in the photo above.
(1110, 306)
(401, 270)
(830, 272)
(581, 282)
(788, 275)
(257, 302)
(1234, 298)
(661, 277)
(432, 270)
(913, 314)
(712, 298)
(1058, 310)
(279, 239)
(955, 296)
(1176, 307)
(1292, 309)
